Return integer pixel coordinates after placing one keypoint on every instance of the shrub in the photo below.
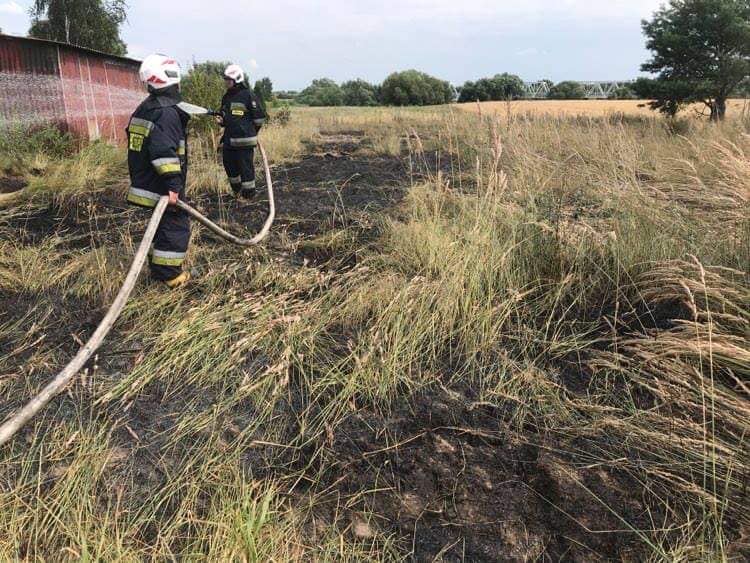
(322, 92)
(500, 87)
(623, 93)
(19, 144)
(359, 93)
(204, 84)
(567, 90)
(414, 88)
(282, 116)
(264, 90)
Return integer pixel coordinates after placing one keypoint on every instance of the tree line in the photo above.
(407, 88)
(700, 54)
(414, 88)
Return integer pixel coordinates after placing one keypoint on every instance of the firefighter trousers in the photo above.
(240, 169)
(170, 245)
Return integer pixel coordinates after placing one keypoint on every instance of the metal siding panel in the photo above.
(88, 94)
(125, 92)
(75, 93)
(30, 89)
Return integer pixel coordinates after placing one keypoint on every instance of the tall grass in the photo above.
(529, 254)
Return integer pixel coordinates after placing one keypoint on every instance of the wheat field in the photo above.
(590, 108)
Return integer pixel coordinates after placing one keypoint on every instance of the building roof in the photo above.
(69, 46)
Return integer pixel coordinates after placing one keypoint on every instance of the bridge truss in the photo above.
(594, 90)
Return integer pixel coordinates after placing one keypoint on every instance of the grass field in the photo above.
(589, 108)
(469, 338)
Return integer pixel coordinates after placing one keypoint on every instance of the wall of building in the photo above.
(90, 94)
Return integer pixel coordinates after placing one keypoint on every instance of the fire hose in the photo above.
(11, 426)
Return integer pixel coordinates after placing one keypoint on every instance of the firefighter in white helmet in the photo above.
(158, 162)
(242, 116)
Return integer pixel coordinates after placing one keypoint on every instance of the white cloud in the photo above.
(12, 8)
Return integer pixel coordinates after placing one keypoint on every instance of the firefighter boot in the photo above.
(179, 281)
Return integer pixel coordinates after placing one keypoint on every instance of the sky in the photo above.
(294, 42)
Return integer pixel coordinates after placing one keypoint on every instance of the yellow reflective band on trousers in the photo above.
(143, 197)
(243, 142)
(165, 258)
(167, 166)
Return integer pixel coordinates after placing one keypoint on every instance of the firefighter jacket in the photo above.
(243, 117)
(157, 148)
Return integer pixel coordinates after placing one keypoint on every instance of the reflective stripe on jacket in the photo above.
(157, 149)
(243, 117)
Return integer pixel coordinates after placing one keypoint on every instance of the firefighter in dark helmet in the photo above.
(157, 159)
(242, 116)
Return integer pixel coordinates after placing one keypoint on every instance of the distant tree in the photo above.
(264, 90)
(322, 92)
(473, 92)
(623, 93)
(94, 24)
(701, 53)
(567, 90)
(359, 93)
(414, 88)
(500, 87)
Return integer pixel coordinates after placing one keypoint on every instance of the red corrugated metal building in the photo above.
(88, 93)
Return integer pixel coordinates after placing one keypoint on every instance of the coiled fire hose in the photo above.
(11, 426)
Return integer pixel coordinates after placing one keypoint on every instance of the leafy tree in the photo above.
(94, 24)
(500, 87)
(359, 93)
(667, 95)
(567, 90)
(211, 67)
(204, 84)
(414, 88)
(472, 92)
(701, 53)
(264, 90)
(322, 92)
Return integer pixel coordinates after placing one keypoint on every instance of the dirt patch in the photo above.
(453, 483)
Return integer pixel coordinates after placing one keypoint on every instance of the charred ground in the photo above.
(449, 476)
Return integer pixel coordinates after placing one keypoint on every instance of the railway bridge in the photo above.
(594, 90)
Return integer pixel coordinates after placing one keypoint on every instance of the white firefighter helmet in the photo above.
(234, 72)
(159, 72)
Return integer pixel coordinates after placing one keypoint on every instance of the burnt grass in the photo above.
(443, 473)
(11, 184)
